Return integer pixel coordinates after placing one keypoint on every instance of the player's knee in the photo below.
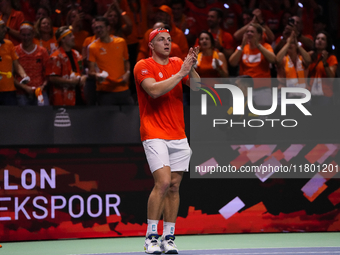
(174, 188)
(162, 186)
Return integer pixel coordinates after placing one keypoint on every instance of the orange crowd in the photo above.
(83, 52)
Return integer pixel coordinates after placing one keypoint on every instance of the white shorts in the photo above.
(173, 153)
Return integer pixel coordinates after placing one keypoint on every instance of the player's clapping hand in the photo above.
(189, 62)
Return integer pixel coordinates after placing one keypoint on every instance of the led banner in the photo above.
(102, 191)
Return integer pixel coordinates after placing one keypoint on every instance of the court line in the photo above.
(271, 253)
(241, 253)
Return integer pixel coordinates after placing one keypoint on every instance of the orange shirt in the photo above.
(7, 56)
(294, 75)
(205, 67)
(254, 64)
(14, 21)
(50, 45)
(139, 20)
(86, 44)
(34, 64)
(60, 65)
(320, 85)
(162, 117)
(89, 40)
(110, 57)
(177, 36)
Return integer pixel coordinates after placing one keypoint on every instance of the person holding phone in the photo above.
(294, 24)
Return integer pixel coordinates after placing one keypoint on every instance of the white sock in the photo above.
(152, 227)
(169, 228)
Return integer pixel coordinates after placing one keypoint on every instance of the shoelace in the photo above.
(154, 241)
(170, 242)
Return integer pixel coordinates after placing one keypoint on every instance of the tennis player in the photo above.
(159, 82)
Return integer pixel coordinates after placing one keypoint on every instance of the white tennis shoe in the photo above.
(151, 245)
(168, 245)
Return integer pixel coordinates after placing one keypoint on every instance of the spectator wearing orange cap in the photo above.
(164, 14)
(159, 82)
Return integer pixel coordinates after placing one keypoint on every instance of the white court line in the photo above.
(271, 253)
(251, 253)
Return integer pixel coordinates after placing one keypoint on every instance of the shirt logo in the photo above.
(102, 51)
(160, 75)
(144, 72)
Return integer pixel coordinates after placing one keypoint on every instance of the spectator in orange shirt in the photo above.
(44, 35)
(12, 18)
(120, 23)
(110, 54)
(8, 62)
(33, 59)
(254, 57)
(292, 66)
(64, 71)
(210, 63)
(322, 70)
